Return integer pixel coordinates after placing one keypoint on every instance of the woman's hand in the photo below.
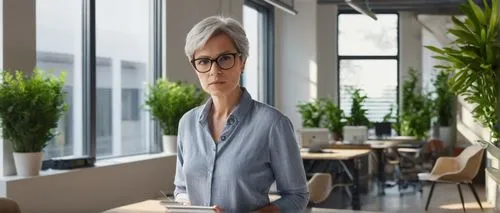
(271, 208)
(218, 209)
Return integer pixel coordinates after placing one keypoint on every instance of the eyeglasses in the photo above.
(224, 62)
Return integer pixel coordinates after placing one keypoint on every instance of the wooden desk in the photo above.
(334, 154)
(154, 206)
(349, 160)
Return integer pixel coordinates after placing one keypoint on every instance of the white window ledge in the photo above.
(110, 183)
(98, 164)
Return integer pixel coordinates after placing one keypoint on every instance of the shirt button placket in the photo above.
(211, 172)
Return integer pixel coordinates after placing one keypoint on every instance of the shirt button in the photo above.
(223, 138)
(230, 121)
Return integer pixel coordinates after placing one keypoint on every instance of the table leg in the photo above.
(355, 201)
(381, 171)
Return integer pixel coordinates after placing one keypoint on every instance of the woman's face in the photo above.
(218, 81)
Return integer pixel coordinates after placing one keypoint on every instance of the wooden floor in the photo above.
(446, 199)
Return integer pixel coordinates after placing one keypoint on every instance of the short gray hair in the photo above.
(213, 25)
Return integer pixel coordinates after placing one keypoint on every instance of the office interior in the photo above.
(300, 51)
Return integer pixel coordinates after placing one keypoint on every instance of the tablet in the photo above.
(183, 208)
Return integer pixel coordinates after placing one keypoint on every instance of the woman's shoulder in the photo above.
(268, 111)
(191, 115)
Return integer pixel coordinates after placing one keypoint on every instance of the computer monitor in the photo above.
(314, 137)
(355, 134)
(383, 129)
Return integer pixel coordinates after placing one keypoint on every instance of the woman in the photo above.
(233, 148)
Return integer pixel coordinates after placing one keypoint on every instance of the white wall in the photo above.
(296, 63)
(181, 17)
(93, 189)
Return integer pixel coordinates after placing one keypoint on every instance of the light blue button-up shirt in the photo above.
(256, 148)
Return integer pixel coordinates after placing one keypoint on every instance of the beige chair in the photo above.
(459, 170)
(320, 186)
(8, 206)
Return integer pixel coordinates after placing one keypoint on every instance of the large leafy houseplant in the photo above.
(417, 111)
(358, 112)
(472, 60)
(168, 101)
(30, 108)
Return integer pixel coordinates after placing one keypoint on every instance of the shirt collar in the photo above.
(238, 112)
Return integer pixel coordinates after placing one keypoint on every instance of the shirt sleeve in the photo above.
(180, 193)
(287, 166)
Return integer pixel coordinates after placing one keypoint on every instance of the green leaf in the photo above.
(487, 9)
(471, 21)
(460, 24)
(466, 36)
(493, 23)
(435, 49)
(477, 12)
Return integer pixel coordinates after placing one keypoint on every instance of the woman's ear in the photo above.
(243, 65)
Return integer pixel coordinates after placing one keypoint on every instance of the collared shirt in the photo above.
(256, 148)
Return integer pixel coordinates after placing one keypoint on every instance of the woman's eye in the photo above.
(224, 58)
(203, 61)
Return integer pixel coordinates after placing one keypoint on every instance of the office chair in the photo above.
(459, 170)
(9, 206)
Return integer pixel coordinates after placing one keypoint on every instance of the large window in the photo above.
(368, 60)
(59, 49)
(109, 53)
(258, 76)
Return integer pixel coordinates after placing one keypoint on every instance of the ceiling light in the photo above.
(362, 8)
(285, 7)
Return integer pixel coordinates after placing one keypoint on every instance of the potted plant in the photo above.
(443, 105)
(312, 113)
(417, 110)
(333, 119)
(30, 108)
(473, 59)
(358, 113)
(168, 101)
(357, 125)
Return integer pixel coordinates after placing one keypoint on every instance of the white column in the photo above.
(410, 47)
(116, 96)
(326, 45)
(18, 53)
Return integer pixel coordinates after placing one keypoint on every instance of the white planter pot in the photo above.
(170, 143)
(28, 164)
(445, 135)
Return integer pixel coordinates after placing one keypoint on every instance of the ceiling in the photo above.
(417, 6)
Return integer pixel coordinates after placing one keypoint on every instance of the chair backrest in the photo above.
(9, 206)
(320, 186)
(469, 161)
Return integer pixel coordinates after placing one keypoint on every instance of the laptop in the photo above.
(355, 134)
(314, 137)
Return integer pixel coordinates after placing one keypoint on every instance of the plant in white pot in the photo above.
(443, 106)
(168, 101)
(30, 108)
(358, 120)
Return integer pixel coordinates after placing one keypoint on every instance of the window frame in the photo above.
(371, 57)
(268, 43)
(89, 69)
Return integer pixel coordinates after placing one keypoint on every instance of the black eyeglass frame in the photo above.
(216, 61)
